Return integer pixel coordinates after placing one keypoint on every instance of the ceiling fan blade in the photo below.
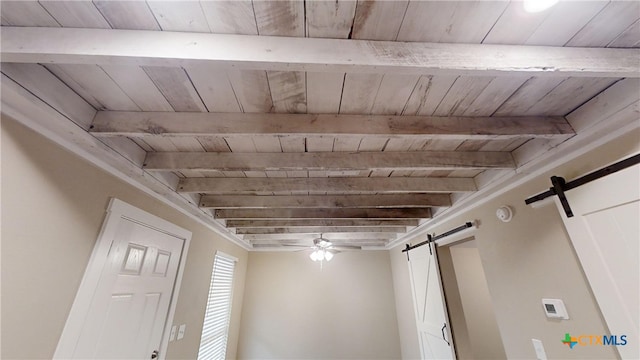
(345, 247)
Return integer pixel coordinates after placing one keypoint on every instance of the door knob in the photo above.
(154, 354)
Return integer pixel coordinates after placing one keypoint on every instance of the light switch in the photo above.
(172, 334)
(539, 348)
(181, 331)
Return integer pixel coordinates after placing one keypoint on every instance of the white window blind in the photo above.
(215, 331)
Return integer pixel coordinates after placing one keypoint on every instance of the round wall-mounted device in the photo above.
(504, 213)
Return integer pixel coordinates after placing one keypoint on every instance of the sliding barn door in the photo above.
(605, 233)
(430, 310)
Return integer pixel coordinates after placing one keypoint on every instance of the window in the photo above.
(215, 330)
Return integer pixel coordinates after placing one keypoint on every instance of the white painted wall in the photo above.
(532, 258)
(295, 310)
(53, 205)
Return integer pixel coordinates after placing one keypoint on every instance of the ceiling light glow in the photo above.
(534, 6)
(328, 255)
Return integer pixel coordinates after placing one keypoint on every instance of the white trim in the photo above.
(117, 209)
(225, 255)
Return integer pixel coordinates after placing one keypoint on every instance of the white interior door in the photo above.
(605, 232)
(122, 307)
(431, 320)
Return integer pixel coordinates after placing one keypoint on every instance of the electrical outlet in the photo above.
(181, 331)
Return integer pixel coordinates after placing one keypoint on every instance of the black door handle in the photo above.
(443, 338)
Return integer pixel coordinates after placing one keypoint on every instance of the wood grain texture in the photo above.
(462, 93)
(323, 230)
(86, 95)
(251, 89)
(328, 236)
(515, 25)
(135, 82)
(341, 185)
(179, 15)
(230, 17)
(427, 94)
(328, 161)
(280, 18)
(378, 20)
(418, 213)
(327, 201)
(130, 15)
(308, 242)
(493, 96)
(564, 21)
(450, 21)
(359, 93)
(175, 85)
(145, 124)
(324, 92)
(288, 91)
(163, 48)
(330, 19)
(619, 96)
(393, 94)
(527, 95)
(51, 90)
(214, 88)
(568, 96)
(26, 13)
(607, 25)
(91, 82)
(292, 223)
(630, 38)
(77, 14)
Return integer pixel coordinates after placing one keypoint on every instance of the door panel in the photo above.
(428, 304)
(128, 303)
(606, 236)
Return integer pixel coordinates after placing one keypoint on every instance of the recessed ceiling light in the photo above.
(534, 6)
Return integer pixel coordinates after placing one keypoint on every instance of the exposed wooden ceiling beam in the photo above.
(239, 214)
(307, 243)
(329, 229)
(163, 48)
(144, 124)
(328, 236)
(293, 223)
(328, 161)
(324, 201)
(341, 185)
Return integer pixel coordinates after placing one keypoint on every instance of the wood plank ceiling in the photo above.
(361, 147)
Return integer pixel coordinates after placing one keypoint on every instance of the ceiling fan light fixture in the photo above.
(316, 255)
(328, 255)
(534, 6)
(324, 243)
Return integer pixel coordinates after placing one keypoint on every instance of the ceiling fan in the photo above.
(323, 249)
